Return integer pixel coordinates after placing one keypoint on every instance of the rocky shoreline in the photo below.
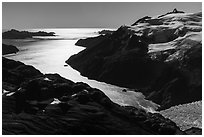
(160, 57)
(36, 103)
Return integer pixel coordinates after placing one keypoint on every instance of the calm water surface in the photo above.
(48, 54)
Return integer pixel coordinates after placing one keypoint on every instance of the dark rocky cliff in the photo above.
(36, 103)
(161, 57)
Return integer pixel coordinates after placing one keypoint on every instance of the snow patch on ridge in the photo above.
(172, 29)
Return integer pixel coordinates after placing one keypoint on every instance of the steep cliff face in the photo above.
(161, 56)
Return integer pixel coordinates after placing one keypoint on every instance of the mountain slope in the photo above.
(160, 56)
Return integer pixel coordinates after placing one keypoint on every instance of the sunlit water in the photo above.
(48, 54)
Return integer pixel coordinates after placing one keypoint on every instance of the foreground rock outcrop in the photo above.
(15, 34)
(9, 49)
(159, 56)
(36, 103)
(186, 116)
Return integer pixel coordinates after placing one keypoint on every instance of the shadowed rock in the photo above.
(15, 34)
(90, 41)
(194, 131)
(160, 56)
(8, 49)
(49, 104)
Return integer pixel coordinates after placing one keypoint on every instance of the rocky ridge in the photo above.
(159, 56)
(36, 103)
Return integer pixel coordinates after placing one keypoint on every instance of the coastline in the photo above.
(32, 106)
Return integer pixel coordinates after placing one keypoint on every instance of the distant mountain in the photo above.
(160, 56)
(8, 49)
(15, 34)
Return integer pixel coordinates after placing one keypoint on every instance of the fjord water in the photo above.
(48, 54)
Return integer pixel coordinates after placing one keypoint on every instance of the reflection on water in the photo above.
(49, 56)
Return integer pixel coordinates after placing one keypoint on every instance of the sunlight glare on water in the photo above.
(49, 56)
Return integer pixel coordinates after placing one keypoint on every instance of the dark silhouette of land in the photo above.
(15, 34)
(28, 107)
(9, 49)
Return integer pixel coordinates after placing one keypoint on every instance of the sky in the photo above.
(26, 15)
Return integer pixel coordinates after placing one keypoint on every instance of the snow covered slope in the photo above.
(170, 31)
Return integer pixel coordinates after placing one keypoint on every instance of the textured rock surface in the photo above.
(50, 104)
(160, 56)
(186, 116)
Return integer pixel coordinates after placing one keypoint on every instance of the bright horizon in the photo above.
(36, 15)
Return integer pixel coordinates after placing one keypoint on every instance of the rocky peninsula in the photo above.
(15, 34)
(159, 56)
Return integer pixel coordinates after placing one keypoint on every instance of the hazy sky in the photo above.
(112, 15)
